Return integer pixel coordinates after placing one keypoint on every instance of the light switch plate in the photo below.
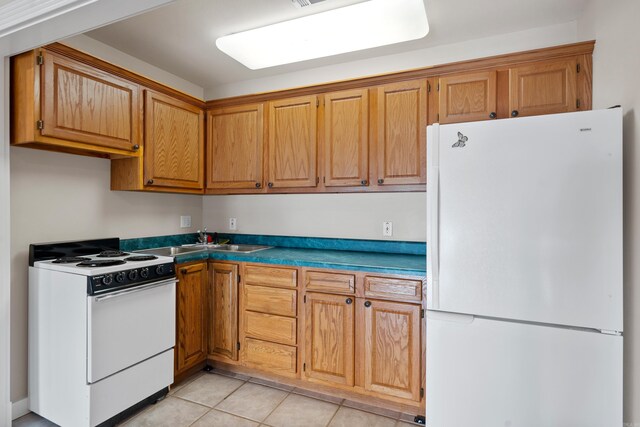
(185, 221)
(387, 228)
(233, 225)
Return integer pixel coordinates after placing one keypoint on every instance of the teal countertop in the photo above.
(391, 257)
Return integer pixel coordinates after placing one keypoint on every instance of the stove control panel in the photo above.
(109, 282)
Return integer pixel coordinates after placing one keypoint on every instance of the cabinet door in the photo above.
(401, 133)
(346, 138)
(223, 337)
(83, 104)
(467, 97)
(191, 315)
(234, 144)
(391, 333)
(293, 142)
(174, 142)
(543, 88)
(329, 338)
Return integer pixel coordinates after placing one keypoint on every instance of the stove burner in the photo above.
(111, 254)
(70, 259)
(141, 258)
(101, 263)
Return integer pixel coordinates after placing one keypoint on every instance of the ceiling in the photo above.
(180, 38)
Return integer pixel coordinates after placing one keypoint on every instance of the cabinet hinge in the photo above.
(317, 102)
(238, 346)
(324, 180)
(304, 367)
(238, 278)
(438, 87)
(317, 180)
(577, 68)
(40, 59)
(304, 299)
(577, 103)
(428, 87)
(40, 124)
(422, 313)
(437, 117)
(421, 392)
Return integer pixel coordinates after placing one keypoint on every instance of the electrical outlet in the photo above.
(185, 221)
(233, 224)
(387, 229)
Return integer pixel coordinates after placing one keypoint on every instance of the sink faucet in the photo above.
(202, 236)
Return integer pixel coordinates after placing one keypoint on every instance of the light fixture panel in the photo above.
(351, 28)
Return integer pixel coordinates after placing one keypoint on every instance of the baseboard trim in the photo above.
(19, 408)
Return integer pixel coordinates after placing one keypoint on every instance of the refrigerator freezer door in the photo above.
(530, 219)
(494, 373)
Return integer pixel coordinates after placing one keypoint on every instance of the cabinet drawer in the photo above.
(270, 276)
(269, 327)
(330, 282)
(270, 300)
(269, 356)
(392, 288)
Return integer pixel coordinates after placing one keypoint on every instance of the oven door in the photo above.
(129, 326)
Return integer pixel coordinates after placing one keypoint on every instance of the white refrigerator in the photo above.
(524, 272)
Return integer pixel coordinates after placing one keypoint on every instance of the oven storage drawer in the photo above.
(127, 327)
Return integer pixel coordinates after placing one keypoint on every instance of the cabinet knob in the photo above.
(380, 181)
(367, 304)
(136, 147)
(258, 185)
(493, 115)
(270, 185)
(514, 113)
(364, 182)
(149, 182)
(183, 271)
(349, 301)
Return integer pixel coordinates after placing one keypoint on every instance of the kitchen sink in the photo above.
(245, 249)
(172, 250)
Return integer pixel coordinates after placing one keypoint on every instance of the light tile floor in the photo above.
(226, 399)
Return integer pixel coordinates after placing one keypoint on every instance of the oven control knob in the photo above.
(160, 269)
(133, 274)
(107, 279)
(144, 272)
(120, 277)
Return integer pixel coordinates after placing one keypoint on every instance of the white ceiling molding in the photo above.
(20, 14)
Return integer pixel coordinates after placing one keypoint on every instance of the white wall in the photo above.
(357, 216)
(478, 48)
(616, 67)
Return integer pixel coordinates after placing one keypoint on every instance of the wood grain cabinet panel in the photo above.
(65, 105)
(393, 288)
(268, 327)
(467, 97)
(391, 348)
(401, 121)
(174, 143)
(270, 300)
(235, 147)
(330, 338)
(543, 88)
(223, 328)
(270, 357)
(293, 142)
(324, 281)
(346, 138)
(191, 318)
(270, 276)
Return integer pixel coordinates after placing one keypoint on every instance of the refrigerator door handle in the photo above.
(433, 210)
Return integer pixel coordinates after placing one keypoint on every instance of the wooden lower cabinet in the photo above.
(223, 328)
(329, 338)
(391, 347)
(191, 315)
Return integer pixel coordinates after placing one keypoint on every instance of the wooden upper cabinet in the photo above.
(174, 142)
(223, 296)
(391, 348)
(467, 97)
(59, 102)
(330, 338)
(346, 138)
(543, 88)
(235, 147)
(293, 142)
(401, 121)
(191, 295)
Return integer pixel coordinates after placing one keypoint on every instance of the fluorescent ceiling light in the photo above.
(360, 26)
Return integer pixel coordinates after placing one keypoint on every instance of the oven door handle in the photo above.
(135, 290)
